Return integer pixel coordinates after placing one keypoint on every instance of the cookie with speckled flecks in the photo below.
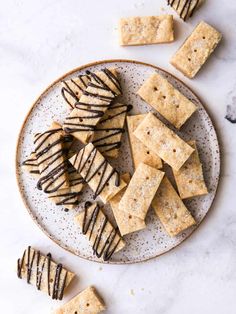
(171, 210)
(196, 49)
(163, 141)
(42, 272)
(141, 190)
(146, 30)
(189, 178)
(126, 222)
(167, 100)
(140, 152)
(87, 301)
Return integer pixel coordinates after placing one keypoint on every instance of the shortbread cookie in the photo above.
(185, 8)
(86, 302)
(42, 272)
(108, 132)
(96, 99)
(140, 153)
(171, 210)
(163, 141)
(104, 238)
(167, 100)
(146, 30)
(196, 49)
(69, 197)
(51, 158)
(141, 190)
(73, 88)
(30, 164)
(97, 172)
(126, 222)
(189, 178)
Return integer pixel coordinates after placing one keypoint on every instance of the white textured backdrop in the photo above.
(39, 41)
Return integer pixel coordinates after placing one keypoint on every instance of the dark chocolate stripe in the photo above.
(111, 132)
(92, 110)
(186, 10)
(66, 90)
(89, 222)
(101, 170)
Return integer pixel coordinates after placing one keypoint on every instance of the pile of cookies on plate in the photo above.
(98, 122)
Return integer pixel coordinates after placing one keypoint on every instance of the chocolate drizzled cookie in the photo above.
(42, 272)
(104, 238)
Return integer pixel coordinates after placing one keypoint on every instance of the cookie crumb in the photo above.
(131, 292)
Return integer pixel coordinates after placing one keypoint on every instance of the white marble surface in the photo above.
(39, 41)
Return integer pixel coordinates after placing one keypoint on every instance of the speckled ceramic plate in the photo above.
(58, 224)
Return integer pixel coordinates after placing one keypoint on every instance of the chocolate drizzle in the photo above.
(66, 196)
(54, 178)
(184, 7)
(105, 142)
(90, 220)
(86, 169)
(32, 164)
(43, 263)
(93, 110)
(74, 88)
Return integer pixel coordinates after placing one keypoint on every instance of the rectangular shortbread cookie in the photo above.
(86, 302)
(104, 238)
(166, 99)
(97, 172)
(171, 210)
(95, 100)
(163, 141)
(72, 89)
(140, 152)
(146, 30)
(196, 49)
(141, 190)
(52, 164)
(108, 132)
(42, 272)
(69, 197)
(189, 178)
(126, 222)
(185, 8)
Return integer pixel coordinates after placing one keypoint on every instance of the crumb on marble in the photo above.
(131, 292)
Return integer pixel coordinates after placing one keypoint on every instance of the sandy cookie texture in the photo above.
(163, 141)
(86, 302)
(167, 100)
(146, 30)
(171, 210)
(189, 178)
(196, 49)
(44, 273)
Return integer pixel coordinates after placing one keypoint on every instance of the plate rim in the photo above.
(19, 136)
